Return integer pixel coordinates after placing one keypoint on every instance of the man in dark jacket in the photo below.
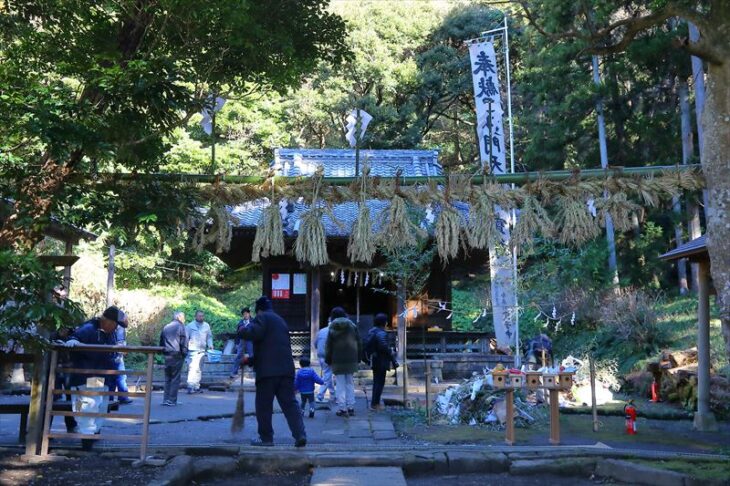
(100, 331)
(174, 339)
(274, 368)
(243, 348)
(381, 357)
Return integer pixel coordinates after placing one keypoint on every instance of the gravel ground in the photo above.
(71, 472)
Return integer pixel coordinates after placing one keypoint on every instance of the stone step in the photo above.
(358, 476)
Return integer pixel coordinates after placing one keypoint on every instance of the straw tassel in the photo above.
(533, 218)
(482, 225)
(398, 232)
(269, 240)
(620, 208)
(448, 231)
(311, 244)
(576, 223)
(361, 245)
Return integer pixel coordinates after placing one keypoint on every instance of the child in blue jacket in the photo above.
(304, 384)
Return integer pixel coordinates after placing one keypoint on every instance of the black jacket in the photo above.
(376, 346)
(174, 339)
(271, 345)
(90, 333)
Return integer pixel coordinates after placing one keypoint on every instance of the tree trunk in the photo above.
(610, 237)
(716, 166)
(687, 149)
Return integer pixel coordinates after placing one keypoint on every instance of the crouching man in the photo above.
(98, 331)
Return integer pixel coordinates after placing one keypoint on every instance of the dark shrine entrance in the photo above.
(362, 302)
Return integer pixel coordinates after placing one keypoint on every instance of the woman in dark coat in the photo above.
(342, 353)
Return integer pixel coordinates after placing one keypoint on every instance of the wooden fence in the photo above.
(143, 438)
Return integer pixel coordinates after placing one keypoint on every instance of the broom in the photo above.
(238, 415)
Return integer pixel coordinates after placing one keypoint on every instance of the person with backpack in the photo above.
(380, 356)
(342, 352)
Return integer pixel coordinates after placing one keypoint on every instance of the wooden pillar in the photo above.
(509, 431)
(402, 335)
(704, 419)
(67, 268)
(38, 389)
(554, 417)
(314, 310)
(110, 277)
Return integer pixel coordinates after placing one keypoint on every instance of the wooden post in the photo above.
(357, 303)
(402, 333)
(110, 277)
(314, 310)
(509, 431)
(148, 405)
(428, 395)
(67, 268)
(594, 409)
(554, 417)
(34, 436)
(49, 403)
(704, 419)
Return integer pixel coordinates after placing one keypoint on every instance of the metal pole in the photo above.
(509, 98)
(594, 409)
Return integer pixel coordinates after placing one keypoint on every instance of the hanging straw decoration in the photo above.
(220, 231)
(311, 244)
(399, 231)
(576, 223)
(269, 240)
(448, 231)
(619, 208)
(481, 229)
(532, 219)
(361, 246)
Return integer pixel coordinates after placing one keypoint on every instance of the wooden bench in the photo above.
(22, 408)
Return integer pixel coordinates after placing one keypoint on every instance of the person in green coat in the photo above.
(342, 353)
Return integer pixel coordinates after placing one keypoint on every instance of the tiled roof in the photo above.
(341, 162)
(695, 247)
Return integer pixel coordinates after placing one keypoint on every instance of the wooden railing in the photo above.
(143, 438)
(444, 342)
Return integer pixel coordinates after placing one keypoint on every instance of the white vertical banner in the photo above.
(488, 106)
(492, 152)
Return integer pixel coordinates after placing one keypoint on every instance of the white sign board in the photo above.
(280, 286)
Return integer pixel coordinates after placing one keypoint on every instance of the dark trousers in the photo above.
(281, 387)
(173, 368)
(307, 397)
(63, 382)
(378, 384)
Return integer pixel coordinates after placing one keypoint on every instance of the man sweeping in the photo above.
(274, 368)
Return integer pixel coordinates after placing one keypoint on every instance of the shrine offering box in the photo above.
(533, 379)
(500, 379)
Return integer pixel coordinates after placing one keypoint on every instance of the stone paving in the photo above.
(206, 419)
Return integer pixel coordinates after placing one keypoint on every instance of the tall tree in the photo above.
(620, 24)
(94, 85)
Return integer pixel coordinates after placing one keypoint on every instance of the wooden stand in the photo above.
(509, 432)
(554, 417)
(147, 395)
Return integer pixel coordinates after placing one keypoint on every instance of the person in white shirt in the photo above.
(200, 339)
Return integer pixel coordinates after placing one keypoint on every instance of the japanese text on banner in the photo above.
(488, 106)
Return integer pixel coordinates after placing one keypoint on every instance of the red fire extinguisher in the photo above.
(630, 412)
